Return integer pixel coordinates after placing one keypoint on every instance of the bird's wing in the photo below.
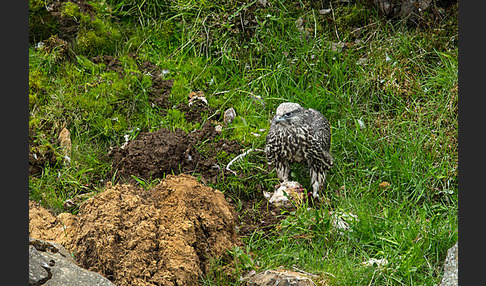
(329, 160)
(321, 128)
(270, 140)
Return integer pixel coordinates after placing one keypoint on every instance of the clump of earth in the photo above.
(168, 235)
(156, 154)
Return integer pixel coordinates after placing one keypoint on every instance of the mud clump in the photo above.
(153, 155)
(168, 235)
(162, 152)
(195, 111)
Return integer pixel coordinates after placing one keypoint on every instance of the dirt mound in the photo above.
(162, 152)
(164, 236)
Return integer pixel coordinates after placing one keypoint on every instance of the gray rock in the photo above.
(278, 278)
(413, 10)
(39, 270)
(450, 267)
(50, 246)
(51, 264)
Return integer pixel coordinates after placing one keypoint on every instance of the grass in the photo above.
(390, 93)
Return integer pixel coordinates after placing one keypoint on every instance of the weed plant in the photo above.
(389, 91)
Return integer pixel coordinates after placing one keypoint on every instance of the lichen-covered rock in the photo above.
(39, 271)
(413, 11)
(51, 264)
(451, 264)
(278, 278)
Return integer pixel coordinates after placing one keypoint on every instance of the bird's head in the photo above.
(288, 113)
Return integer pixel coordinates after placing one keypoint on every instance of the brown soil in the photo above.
(196, 111)
(156, 154)
(167, 235)
(111, 63)
(160, 90)
(260, 215)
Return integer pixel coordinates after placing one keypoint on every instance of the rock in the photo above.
(39, 271)
(229, 115)
(413, 11)
(278, 277)
(51, 264)
(450, 267)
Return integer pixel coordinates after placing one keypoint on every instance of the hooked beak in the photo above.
(279, 119)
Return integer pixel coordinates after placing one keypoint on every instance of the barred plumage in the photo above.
(300, 135)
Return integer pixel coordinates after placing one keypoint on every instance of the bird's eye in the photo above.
(288, 114)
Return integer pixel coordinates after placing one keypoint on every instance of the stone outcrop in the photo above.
(51, 264)
(451, 264)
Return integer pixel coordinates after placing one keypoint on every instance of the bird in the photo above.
(299, 135)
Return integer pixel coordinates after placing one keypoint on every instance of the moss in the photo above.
(42, 24)
(97, 37)
(32, 99)
(34, 123)
(70, 9)
(353, 16)
(77, 23)
(37, 89)
(88, 41)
